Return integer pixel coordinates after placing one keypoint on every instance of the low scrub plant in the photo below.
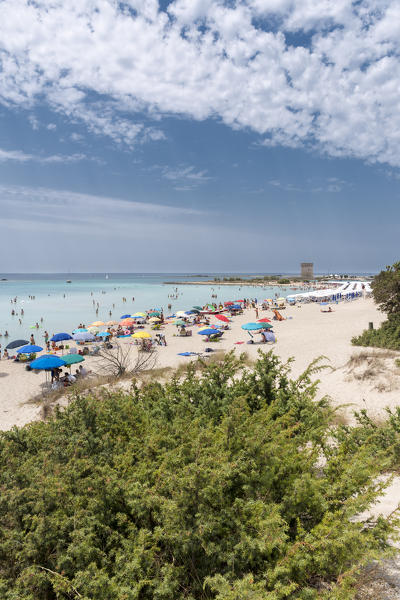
(226, 484)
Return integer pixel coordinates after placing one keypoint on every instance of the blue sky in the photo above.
(217, 136)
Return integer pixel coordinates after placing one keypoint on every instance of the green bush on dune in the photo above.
(386, 293)
(231, 485)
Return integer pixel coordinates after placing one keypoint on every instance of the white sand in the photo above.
(305, 336)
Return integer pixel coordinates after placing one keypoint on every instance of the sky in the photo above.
(199, 135)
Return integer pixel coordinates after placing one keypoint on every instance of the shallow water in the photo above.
(64, 305)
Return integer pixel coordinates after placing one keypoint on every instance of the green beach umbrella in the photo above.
(72, 359)
(179, 322)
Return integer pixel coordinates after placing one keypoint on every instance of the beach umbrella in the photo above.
(80, 330)
(228, 303)
(154, 320)
(180, 322)
(209, 331)
(29, 349)
(265, 320)
(198, 307)
(103, 334)
(281, 299)
(266, 325)
(72, 359)
(141, 335)
(153, 313)
(180, 313)
(127, 322)
(47, 363)
(222, 318)
(235, 307)
(125, 317)
(252, 326)
(139, 314)
(110, 323)
(84, 336)
(60, 337)
(16, 344)
(97, 324)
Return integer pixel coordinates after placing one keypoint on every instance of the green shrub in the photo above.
(386, 336)
(230, 485)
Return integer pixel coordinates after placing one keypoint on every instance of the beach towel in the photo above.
(187, 353)
(238, 342)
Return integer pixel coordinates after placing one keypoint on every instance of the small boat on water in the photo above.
(68, 281)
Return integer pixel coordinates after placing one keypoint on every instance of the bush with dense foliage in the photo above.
(386, 293)
(386, 336)
(228, 485)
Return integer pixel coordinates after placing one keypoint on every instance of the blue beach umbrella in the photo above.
(209, 332)
(29, 349)
(47, 363)
(234, 307)
(80, 330)
(103, 334)
(59, 337)
(125, 317)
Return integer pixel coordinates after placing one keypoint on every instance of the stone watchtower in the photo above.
(307, 270)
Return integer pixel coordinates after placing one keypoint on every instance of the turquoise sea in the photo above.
(63, 306)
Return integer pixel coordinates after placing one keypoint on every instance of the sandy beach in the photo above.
(305, 334)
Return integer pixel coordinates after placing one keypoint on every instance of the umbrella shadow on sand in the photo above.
(4, 374)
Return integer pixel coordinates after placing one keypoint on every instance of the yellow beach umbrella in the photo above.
(97, 324)
(154, 320)
(141, 334)
(139, 315)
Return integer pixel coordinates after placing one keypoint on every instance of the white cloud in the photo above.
(335, 89)
(22, 157)
(185, 177)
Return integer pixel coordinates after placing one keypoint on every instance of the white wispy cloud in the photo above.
(337, 91)
(185, 177)
(23, 157)
(329, 185)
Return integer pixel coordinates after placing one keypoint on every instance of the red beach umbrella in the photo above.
(264, 321)
(222, 318)
(228, 303)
